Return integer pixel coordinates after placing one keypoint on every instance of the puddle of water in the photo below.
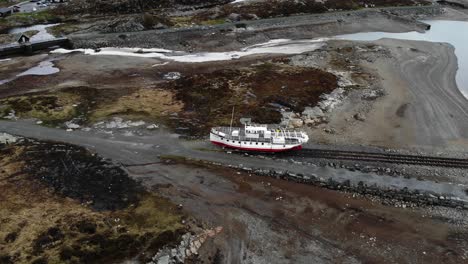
(452, 32)
(278, 46)
(44, 68)
(41, 35)
(5, 81)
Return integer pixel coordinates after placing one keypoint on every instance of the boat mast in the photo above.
(232, 117)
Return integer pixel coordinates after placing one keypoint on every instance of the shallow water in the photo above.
(44, 68)
(452, 32)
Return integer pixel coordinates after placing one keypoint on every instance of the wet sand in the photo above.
(423, 107)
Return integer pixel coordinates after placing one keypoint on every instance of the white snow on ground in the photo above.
(44, 68)
(277, 46)
(118, 123)
(41, 35)
(7, 138)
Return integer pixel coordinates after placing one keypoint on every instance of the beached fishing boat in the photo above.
(258, 138)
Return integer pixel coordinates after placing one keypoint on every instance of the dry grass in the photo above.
(49, 108)
(144, 103)
(36, 223)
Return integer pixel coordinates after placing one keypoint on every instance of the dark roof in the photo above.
(22, 38)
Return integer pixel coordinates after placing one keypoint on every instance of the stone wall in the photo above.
(395, 197)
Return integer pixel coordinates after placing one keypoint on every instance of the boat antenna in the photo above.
(232, 118)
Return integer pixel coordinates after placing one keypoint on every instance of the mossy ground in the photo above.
(196, 101)
(48, 108)
(11, 38)
(28, 19)
(254, 91)
(41, 223)
(149, 104)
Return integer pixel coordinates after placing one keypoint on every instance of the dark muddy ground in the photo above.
(256, 92)
(274, 221)
(63, 204)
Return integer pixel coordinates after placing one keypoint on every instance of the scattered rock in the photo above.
(296, 122)
(118, 123)
(189, 246)
(359, 117)
(152, 127)
(234, 17)
(372, 94)
(11, 115)
(7, 138)
(71, 125)
(123, 25)
(313, 113)
(172, 76)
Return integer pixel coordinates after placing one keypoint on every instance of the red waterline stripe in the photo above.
(256, 149)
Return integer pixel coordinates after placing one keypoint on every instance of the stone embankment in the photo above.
(396, 197)
(455, 3)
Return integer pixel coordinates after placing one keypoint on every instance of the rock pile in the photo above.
(188, 248)
(7, 138)
(118, 123)
(314, 115)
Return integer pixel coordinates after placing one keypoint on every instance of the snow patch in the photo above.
(277, 46)
(7, 138)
